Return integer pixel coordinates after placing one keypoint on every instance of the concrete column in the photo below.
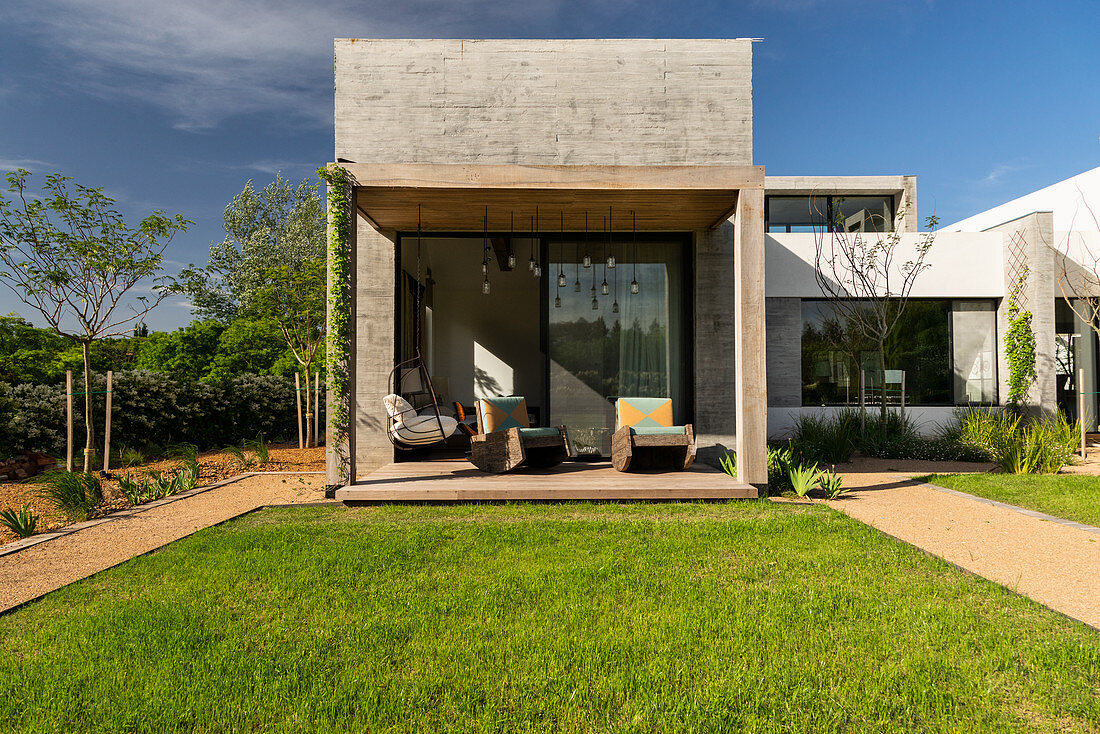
(340, 439)
(1028, 240)
(375, 283)
(715, 407)
(750, 348)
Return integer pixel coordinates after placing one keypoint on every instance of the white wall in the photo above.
(1069, 200)
(964, 265)
(483, 345)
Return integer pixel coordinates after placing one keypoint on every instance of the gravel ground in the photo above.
(213, 467)
(47, 566)
(1051, 563)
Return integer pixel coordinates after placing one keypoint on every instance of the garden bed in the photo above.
(213, 466)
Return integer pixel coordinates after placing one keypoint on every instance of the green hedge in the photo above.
(151, 408)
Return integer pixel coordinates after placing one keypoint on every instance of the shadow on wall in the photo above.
(485, 385)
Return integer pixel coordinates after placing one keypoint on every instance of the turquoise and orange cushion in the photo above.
(646, 416)
(502, 413)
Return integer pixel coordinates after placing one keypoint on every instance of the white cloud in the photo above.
(205, 60)
(31, 164)
(999, 172)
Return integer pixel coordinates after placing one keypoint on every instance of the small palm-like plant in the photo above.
(804, 478)
(729, 464)
(22, 522)
(832, 484)
(76, 494)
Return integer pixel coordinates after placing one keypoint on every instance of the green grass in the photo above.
(746, 616)
(1069, 496)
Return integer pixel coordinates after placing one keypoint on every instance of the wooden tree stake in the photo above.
(298, 397)
(107, 427)
(69, 419)
(317, 409)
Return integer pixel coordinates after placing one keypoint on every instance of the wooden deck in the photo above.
(456, 480)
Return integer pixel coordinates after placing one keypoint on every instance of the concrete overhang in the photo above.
(454, 197)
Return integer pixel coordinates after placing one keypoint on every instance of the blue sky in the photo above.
(174, 105)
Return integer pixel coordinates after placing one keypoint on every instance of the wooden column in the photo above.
(750, 368)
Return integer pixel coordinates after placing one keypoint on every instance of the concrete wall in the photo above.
(715, 293)
(784, 318)
(902, 188)
(624, 102)
(963, 265)
(374, 343)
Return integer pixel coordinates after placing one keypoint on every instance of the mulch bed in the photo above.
(213, 467)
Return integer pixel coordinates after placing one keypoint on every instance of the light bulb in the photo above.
(538, 270)
(557, 302)
(611, 261)
(593, 291)
(595, 305)
(531, 264)
(561, 280)
(587, 260)
(511, 260)
(615, 307)
(484, 268)
(604, 289)
(485, 286)
(634, 286)
(577, 287)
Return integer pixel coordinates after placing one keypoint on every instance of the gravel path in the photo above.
(1054, 564)
(42, 568)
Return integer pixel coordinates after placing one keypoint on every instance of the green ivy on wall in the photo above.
(339, 306)
(1019, 343)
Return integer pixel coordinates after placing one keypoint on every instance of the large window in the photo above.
(828, 213)
(946, 350)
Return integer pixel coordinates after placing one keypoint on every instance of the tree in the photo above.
(295, 299)
(867, 288)
(71, 257)
(1078, 259)
(280, 225)
(271, 266)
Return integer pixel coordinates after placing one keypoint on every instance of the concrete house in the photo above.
(477, 164)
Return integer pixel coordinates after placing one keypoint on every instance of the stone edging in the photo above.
(1023, 511)
(24, 543)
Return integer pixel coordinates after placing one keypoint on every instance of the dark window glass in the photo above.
(862, 213)
(833, 354)
(823, 213)
(797, 213)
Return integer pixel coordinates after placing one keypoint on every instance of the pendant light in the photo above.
(537, 270)
(485, 254)
(531, 260)
(610, 245)
(577, 265)
(634, 281)
(511, 252)
(587, 260)
(615, 303)
(595, 302)
(561, 256)
(604, 288)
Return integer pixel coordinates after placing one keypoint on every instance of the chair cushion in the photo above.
(422, 430)
(398, 407)
(539, 432)
(658, 431)
(643, 412)
(502, 413)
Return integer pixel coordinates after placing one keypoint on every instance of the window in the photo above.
(828, 213)
(947, 350)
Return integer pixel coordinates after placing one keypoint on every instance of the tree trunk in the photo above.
(882, 387)
(309, 414)
(88, 445)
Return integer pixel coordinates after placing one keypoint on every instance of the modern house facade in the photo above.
(575, 220)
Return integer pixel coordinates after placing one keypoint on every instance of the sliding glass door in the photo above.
(598, 352)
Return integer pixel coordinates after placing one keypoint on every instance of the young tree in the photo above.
(280, 225)
(1078, 256)
(271, 266)
(868, 288)
(71, 257)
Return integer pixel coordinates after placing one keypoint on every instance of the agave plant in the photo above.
(729, 464)
(804, 478)
(22, 522)
(832, 484)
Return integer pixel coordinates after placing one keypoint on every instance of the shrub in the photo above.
(825, 439)
(75, 493)
(22, 522)
(832, 484)
(780, 461)
(1019, 445)
(729, 464)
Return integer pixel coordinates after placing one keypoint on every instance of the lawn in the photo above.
(746, 616)
(1070, 496)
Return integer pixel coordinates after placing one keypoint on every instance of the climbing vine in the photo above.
(1019, 347)
(339, 305)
